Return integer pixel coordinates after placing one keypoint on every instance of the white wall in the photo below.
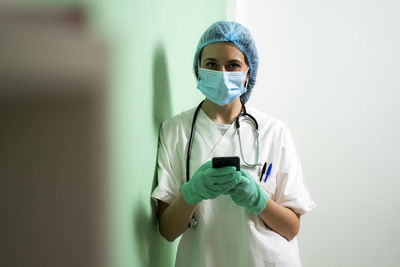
(330, 70)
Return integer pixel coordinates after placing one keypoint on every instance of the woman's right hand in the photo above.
(209, 182)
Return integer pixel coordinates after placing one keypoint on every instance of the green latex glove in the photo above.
(248, 194)
(208, 183)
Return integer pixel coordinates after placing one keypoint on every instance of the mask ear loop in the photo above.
(198, 74)
(247, 81)
(246, 85)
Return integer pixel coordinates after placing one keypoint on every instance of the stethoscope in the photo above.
(242, 116)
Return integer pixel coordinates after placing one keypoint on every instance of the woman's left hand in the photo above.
(248, 194)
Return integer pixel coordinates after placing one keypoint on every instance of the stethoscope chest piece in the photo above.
(193, 223)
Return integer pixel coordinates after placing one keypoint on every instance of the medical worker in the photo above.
(229, 217)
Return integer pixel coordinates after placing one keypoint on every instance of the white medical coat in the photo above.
(228, 234)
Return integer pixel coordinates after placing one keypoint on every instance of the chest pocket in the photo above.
(269, 186)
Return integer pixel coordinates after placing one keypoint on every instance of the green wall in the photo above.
(152, 45)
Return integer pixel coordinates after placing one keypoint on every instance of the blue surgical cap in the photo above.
(228, 31)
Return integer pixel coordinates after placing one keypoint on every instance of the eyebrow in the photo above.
(234, 60)
(230, 61)
(210, 58)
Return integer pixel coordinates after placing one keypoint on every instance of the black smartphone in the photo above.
(219, 162)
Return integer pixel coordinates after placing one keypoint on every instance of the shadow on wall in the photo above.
(161, 90)
(155, 251)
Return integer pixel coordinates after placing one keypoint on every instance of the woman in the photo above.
(246, 217)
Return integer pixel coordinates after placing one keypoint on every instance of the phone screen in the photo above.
(219, 162)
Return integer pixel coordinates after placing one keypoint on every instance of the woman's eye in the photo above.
(211, 65)
(233, 66)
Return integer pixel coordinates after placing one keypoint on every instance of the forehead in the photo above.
(222, 51)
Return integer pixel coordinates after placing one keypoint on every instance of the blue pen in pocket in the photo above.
(268, 172)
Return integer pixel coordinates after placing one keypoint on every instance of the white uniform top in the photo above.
(228, 234)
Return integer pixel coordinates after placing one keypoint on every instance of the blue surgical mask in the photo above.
(221, 87)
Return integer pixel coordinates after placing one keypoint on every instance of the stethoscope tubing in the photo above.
(237, 124)
(191, 141)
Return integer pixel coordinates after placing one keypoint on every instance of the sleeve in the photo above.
(291, 191)
(169, 186)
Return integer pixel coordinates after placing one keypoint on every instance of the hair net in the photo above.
(228, 31)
